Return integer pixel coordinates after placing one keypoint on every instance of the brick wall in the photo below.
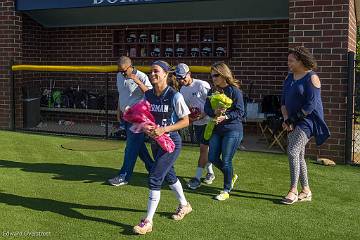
(34, 41)
(323, 27)
(259, 54)
(259, 51)
(10, 49)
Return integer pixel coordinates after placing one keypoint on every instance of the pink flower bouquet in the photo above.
(140, 116)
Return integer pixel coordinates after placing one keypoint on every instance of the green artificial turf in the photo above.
(61, 194)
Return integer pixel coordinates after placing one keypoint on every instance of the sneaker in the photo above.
(242, 147)
(233, 180)
(144, 227)
(222, 196)
(182, 211)
(194, 183)
(209, 178)
(118, 181)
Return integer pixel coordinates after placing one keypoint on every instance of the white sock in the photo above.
(199, 171)
(153, 202)
(177, 188)
(209, 168)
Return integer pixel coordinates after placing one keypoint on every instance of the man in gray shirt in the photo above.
(131, 84)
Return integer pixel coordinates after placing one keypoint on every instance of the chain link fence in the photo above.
(71, 104)
(356, 127)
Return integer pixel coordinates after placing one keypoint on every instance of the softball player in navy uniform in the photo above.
(171, 114)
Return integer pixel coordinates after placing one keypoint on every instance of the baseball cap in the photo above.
(181, 70)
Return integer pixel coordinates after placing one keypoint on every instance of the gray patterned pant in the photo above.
(297, 141)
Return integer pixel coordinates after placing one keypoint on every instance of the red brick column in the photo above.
(10, 49)
(328, 29)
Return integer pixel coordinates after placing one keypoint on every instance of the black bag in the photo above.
(111, 102)
(271, 104)
(67, 98)
(80, 99)
(65, 102)
(275, 123)
(93, 101)
(44, 101)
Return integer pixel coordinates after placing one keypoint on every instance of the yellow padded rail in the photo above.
(95, 69)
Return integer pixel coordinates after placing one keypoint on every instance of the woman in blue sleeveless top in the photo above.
(228, 131)
(303, 114)
(171, 114)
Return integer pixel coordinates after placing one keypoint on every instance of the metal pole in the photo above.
(12, 96)
(106, 107)
(350, 108)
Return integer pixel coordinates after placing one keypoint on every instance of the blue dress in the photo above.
(301, 94)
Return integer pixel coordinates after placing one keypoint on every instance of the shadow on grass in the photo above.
(69, 209)
(91, 174)
(211, 191)
(87, 174)
(66, 209)
(256, 195)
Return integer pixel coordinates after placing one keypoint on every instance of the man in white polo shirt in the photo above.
(195, 93)
(131, 84)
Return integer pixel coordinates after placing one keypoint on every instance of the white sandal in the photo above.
(288, 201)
(305, 196)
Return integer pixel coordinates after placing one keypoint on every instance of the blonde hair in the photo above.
(173, 82)
(225, 72)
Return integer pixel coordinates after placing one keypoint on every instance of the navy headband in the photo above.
(163, 65)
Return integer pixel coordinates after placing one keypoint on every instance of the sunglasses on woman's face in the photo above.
(215, 75)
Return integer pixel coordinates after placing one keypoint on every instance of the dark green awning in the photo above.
(27, 5)
(175, 12)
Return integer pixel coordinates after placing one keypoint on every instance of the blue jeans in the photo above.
(135, 146)
(163, 168)
(224, 144)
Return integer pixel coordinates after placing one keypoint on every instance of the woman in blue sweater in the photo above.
(228, 131)
(303, 114)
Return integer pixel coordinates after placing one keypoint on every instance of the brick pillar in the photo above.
(10, 49)
(328, 29)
